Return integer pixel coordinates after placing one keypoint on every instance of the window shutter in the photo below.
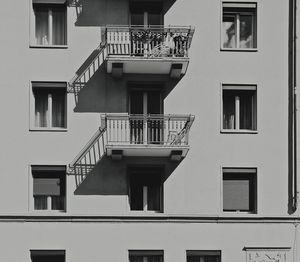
(203, 253)
(236, 195)
(46, 186)
(146, 252)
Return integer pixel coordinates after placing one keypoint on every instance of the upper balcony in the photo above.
(148, 49)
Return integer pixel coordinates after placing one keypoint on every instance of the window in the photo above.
(49, 105)
(47, 255)
(49, 187)
(146, 255)
(203, 256)
(146, 13)
(49, 22)
(239, 189)
(239, 25)
(145, 191)
(239, 107)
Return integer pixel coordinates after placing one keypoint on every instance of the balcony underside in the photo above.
(173, 152)
(175, 67)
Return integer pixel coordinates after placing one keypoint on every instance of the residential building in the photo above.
(149, 130)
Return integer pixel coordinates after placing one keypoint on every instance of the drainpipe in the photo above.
(292, 109)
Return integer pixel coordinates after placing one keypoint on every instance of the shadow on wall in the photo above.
(107, 178)
(107, 12)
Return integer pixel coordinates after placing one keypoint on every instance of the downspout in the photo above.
(292, 109)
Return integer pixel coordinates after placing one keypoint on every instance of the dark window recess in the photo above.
(47, 255)
(203, 256)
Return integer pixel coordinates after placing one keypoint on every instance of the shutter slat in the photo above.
(46, 186)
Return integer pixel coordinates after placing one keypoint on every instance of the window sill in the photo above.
(239, 213)
(145, 213)
(49, 46)
(241, 131)
(239, 49)
(36, 129)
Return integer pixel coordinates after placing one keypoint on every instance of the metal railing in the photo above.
(160, 130)
(149, 42)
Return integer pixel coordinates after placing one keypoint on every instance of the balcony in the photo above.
(148, 50)
(147, 135)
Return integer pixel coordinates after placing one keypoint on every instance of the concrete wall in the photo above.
(194, 187)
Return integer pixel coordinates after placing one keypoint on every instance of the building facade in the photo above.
(158, 130)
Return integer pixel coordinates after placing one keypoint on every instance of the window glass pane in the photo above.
(58, 109)
(137, 19)
(57, 202)
(246, 31)
(203, 259)
(40, 202)
(48, 258)
(41, 108)
(41, 26)
(58, 27)
(136, 258)
(136, 195)
(229, 31)
(228, 109)
(246, 110)
(154, 197)
(154, 19)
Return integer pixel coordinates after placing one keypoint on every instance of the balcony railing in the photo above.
(156, 130)
(149, 42)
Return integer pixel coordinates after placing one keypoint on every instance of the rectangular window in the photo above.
(239, 25)
(239, 189)
(239, 107)
(50, 22)
(145, 190)
(47, 255)
(146, 256)
(49, 105)
(203, 256)
(49, 187)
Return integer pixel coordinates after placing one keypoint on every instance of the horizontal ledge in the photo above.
(239, 49)
(50, 46)
(233, 131)
(48, 130)
(148, 219)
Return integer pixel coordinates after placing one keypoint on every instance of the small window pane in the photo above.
(246, 110)
(246, 31)
(229, 31)
(228, 109)
(58, 109)
(59, 28)
(40, 202)
(41, 109)
(57, 202)
(41, 26)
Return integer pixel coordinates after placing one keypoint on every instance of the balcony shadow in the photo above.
(104, 93)
(109, 178)
(106, 12)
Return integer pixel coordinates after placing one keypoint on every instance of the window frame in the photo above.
(144, 253)
(131, 170)
(241, 171)
(239, 88)
(47, 252)
(236, 11)
(32, 41)
(51, 84)
(31, 188)
(205, 253)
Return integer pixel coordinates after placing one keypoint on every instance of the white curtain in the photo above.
(41, 26)
(41, 109)
(40, 202)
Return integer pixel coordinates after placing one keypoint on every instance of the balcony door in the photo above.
(146, 122)
(142, 16)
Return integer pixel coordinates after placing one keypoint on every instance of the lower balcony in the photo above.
(148, 50)
(147, 135)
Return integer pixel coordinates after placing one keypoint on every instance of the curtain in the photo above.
(57, 202)
(40, 202)
(246, 31)
(154, 197)
(41, 109)
(58, 109)
(41, 26)
(203, 258)
(246, 110)
(58, 27)
(229, 31)
(228, 110)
